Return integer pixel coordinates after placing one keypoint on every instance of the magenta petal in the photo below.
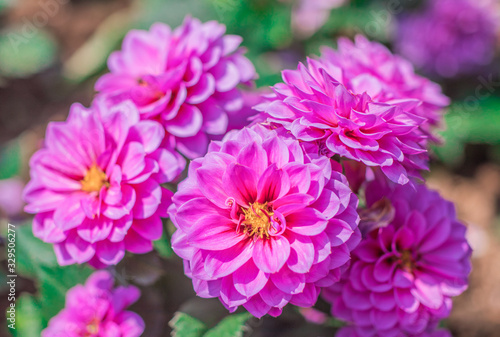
(288, 281)
(427, 291)
(301, 253)
(187, 123)
(214, 226)
(45, 229)
(207, 289)
(193, 147)
(240, 183)
(271, 254)
(307, 298)
(95, 230)
(149, 133)
(136, 243)
(149, 196)
(110, 253)
(272, 184)
(229, 294)
(150, 228)
(224, 262)
(249, 280)
(405, 300)
(80, 250)
(254, 157)
(308, 222)
(274, 296)
(69, 214)
(63, 256)
(257, 307)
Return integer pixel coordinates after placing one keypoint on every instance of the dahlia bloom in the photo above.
(405, 271)
(392, 78)
(450, 37)
(95, 185)
(350, 331)
(261, 224)
(316, 107)
(97, 310)
(186, 79)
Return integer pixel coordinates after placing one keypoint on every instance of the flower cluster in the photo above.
(186, 79)
(268, 213)
(95, 185)
(406, 269)
(260, 223)
(450, 37)
(344, 120)
(371, 67)
(97, 310)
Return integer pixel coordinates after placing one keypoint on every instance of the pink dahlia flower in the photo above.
(370, 66)
(316, 107)
(186, 79)
(97, 310)
(261, 224)
(350, 331)
(95, 185)
(405, 271)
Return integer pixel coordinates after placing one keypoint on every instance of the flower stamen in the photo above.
(94, 180)
(257, 219)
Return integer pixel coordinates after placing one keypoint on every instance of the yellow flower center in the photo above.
(92, 328)
(94, 180)
(407, 260)
(257, 219)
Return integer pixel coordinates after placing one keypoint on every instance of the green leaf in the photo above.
(163, 245)
(25, 50)
(184, 325)
(231, 326)
(29, 322)
(36, 259)
(10, 160)
(465, 125)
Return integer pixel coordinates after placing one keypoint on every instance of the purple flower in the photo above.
(350, 331)
(370, 65)
(261, 224)
(11, 201)
(95, 185)
(186, 79)
(449, 37)
(405, 271)
(97, 310)
(315, 106)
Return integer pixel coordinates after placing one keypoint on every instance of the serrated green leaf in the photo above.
(231, 326)
(184, 325)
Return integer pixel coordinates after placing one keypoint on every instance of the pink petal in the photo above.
(271, 254)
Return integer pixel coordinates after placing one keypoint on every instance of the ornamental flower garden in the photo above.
(310, 193)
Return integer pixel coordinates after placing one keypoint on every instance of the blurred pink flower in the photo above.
(11, 200)
(261, 224)
(97, 310)
(308, 16)
(350, 331)
(315, 106)
(405, 271)
(95, 186)
(186, 79)
(367, 64)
